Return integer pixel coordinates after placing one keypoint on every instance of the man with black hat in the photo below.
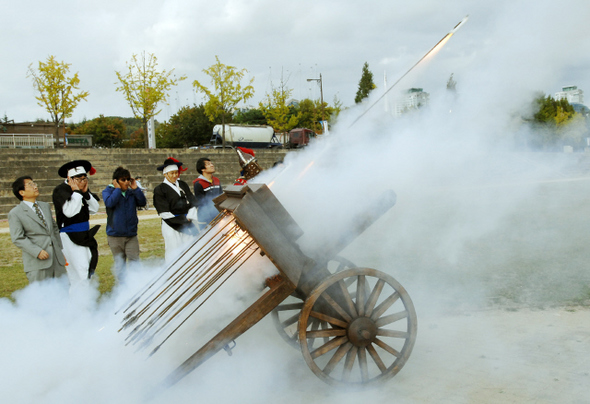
(175, 203)
(73, 204)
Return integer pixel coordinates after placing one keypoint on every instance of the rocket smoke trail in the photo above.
(438, 45)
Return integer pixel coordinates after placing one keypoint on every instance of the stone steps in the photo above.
(42, 166)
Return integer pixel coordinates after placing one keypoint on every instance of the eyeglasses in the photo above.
(31, 184)
(124, 179)
(81, 179)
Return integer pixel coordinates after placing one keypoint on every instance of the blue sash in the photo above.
(76, 227)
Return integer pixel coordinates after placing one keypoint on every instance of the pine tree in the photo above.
(451, 84)
(365, 84)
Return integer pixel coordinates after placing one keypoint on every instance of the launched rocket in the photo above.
(438, 45)
(459, 25)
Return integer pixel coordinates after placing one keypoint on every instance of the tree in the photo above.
(335, 110)
(250, 117)
(555, 124)
(190, 126)
(3, 122)
(275, 109)
(105, 131)
(226, 93)
(451, 84)
(145, 87)
(136, 139)
(310, 114)
(552, 111)
(57, 91)
(366, 85)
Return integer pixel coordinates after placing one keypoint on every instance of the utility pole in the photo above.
(321, 94)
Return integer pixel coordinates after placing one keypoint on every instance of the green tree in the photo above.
(336, 109)
(310, 114)
(190, 126)
(250, 117)
(58, 92)
(136, 138)
(105, 131)
(145, 87)
(275, 109)
(3, 122)
(366, 85)
(552, 111)
(555, 124)
(132, 124)
(226, 91)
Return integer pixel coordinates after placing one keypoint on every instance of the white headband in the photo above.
(171, 167)
(72, 172)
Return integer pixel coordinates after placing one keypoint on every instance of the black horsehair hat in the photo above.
(169, 162)
(74, 168)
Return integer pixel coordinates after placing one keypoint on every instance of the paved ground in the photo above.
(461, 355)
(501, 357)
(470, 357)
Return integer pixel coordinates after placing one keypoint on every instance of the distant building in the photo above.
(414, 98)
(581, 109)
(572, 94)
(293, 103)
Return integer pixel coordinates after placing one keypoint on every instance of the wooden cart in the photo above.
(354, 326)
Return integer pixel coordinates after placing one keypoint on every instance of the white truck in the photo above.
(251, 136)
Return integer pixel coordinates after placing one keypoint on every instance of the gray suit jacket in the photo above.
(29, 234)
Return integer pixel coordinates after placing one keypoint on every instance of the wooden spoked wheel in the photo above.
(286, 315)
(370, 332)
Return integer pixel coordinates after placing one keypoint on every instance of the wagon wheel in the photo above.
(286, 315)
(381, 323)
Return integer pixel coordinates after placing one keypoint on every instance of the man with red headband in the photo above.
(175, 204)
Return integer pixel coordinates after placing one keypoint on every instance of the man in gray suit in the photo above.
(34, 231)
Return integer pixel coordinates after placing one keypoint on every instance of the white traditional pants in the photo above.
(175, 242)
(78, 261)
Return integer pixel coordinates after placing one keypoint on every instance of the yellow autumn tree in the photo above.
(145, 87)
(276, 111)
(226, 91)
(57, 92)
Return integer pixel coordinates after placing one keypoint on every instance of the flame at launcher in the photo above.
(158, 311)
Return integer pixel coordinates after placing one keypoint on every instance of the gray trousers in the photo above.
(54, 271)
(124, 249)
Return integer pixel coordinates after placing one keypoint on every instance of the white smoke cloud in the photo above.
(459, 186)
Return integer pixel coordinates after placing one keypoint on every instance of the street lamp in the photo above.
(321, 94)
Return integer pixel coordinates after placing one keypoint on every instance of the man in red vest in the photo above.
(206, 187)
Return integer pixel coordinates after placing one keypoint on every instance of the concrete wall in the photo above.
(42, 165)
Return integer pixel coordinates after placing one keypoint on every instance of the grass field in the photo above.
(12, 276)
(447, 247)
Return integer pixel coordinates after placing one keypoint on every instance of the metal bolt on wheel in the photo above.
(357, 327)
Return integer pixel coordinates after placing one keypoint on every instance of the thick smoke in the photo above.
(463, 232)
